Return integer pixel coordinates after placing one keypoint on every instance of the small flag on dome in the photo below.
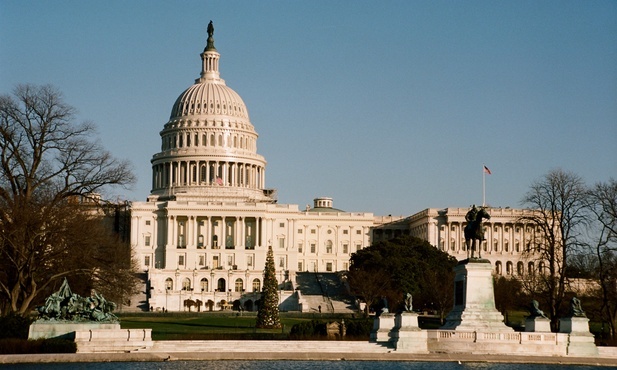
(486, 170)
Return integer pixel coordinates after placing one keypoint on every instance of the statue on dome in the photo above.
(210, 29)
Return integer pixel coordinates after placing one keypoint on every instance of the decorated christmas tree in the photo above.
(268, 314)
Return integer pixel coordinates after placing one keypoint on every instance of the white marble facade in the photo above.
(204, 231)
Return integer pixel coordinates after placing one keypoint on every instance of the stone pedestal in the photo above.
(65, 330)
(474, 299)
(538, 324)
(382, 326)
(581, 341)
(407, 336)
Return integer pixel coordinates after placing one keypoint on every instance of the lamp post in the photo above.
(178, 285)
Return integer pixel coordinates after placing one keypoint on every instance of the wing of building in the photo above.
(509, 240)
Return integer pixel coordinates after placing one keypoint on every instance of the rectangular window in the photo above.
(345, 248)
(329, 266)
(147, 240)
(299, 247)
(215, 262)
(300, 266)
(358, 232)
(312, 247)
(282, 262)
(202, 260)
(249, 260)
(282, 224)
(180, 260)
(299, 231)
(345, 232)
(345, 266)
(148, 223)
(281, 242)
(313, 231)
(230, 260)
(147, 260)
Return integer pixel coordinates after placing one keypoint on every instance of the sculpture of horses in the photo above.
(475, 231)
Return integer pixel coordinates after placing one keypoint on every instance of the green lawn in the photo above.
(211, 325)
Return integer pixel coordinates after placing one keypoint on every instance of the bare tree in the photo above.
(48, 166)
(603, 205)
(558, 213)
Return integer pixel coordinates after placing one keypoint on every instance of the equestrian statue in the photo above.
(474, 229)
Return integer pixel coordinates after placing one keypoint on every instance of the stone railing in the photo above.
(539, 343)
(118, 340)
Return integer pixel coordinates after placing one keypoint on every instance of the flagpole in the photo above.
(483, 186)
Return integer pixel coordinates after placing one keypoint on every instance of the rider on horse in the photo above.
(474, 229)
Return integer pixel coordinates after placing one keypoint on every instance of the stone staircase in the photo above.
(254, 346)
(138, 302)
(326, 290)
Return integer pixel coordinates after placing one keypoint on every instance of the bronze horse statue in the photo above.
(475, 231)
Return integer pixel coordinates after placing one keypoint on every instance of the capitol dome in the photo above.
(209, 146)
(209, 98)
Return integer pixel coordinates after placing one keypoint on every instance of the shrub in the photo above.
(359, 328)
(309, 329)
(14, 326)
(23, 346)
(58, 346)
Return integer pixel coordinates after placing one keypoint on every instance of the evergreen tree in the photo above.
(268, 314)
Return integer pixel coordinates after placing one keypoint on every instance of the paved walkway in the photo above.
(290, 350)
(200, 356)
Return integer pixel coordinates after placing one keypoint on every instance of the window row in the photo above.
(222, 140)
(520, 268)
(204, 285)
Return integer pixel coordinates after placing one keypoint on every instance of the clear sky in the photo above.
(389, 107)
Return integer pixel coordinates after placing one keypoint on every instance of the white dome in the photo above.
(209, 98)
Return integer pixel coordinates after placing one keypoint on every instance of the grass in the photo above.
(213, 325)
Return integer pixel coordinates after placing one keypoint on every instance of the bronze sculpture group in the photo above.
(65, 305)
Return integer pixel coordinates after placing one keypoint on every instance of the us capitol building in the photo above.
(204, 231)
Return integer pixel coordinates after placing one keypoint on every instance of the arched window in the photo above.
(506, 246)
(221, 285)
(530, 268)
(498, 268)
(517, 246)
(520, 268)
(509, 268)
(541, 267)
(495, 246)
(256, 285)
(169, 284)
(329, 246)
(239, 285)
(204, 285)
(186, 284)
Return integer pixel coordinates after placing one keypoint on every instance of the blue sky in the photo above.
(388, 107)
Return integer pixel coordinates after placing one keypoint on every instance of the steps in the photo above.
(326, 290)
